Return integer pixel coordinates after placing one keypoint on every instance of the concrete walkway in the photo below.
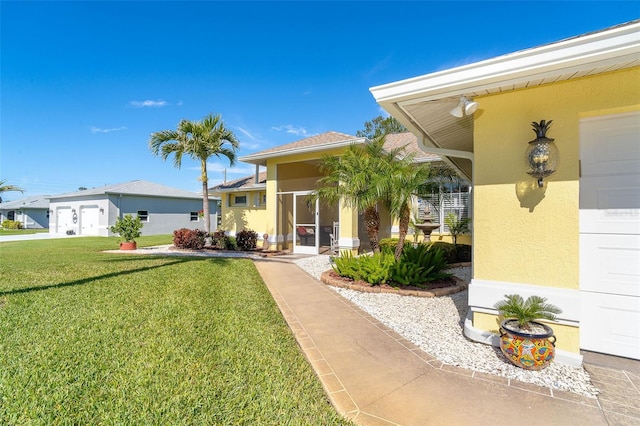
(374, 376)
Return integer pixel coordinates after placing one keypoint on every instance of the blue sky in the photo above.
(84, 84)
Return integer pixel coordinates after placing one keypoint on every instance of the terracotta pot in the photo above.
(531, 351)
(128, 245)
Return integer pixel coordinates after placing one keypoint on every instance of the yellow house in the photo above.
(275, 202)
(573, 237)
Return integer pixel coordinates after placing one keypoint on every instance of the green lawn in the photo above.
(22, 231)
(94, 338)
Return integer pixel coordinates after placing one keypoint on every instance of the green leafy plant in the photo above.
(526, 311)
(373, 269)
(11, 224)
(456, 225)
(218, 239)
(418, 265)
(128, 228)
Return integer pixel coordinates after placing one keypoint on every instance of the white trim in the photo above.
(488, 338)
(349, 243)
(300, 150)
(442, 152)
(483, 294)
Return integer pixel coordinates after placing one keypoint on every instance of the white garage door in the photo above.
(89, 220)
(63, 220)
(610, 235)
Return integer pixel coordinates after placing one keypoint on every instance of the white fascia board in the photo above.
(252, 158)
(252, 188)
(602, 49)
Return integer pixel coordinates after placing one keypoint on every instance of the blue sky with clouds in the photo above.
(84, 84)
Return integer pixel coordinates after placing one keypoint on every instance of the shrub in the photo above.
(463, 253)
(219, 240)
(11, 224)
(418, 265)
(193, 239)
(373, 269)
(247, 239)
(391, 243)
(230, 243)
(448, 249)
(128, 227)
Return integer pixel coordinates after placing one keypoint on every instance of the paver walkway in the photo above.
(376, 377)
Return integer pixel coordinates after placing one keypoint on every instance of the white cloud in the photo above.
(148, 103)
(290, 128)
(247, 133)
(99, 130)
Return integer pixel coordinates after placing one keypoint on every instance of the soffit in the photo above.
(423, 103)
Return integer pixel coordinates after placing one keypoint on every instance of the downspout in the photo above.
(257, 175)
(469, 331)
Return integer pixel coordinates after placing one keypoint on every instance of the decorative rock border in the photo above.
(436, 292)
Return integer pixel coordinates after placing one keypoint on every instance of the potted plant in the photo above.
(526, 342)
(128, 228)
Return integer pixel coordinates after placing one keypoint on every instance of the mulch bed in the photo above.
(257, 252)
(436, 288)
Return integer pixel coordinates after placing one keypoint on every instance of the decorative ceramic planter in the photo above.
(531, 351)
(128, 245)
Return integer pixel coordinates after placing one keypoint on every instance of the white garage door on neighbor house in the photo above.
(610, 235)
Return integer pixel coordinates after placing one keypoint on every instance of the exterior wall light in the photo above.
(542, 154)
(464, 107)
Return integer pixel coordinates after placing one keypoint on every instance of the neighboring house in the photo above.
(576, 240)
(93, 211)
(32, 212)
(275, 202)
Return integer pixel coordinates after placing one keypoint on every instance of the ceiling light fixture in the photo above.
(464, 107)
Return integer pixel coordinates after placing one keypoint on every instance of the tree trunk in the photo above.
(372, 220)
(403, 225)
(205, 197)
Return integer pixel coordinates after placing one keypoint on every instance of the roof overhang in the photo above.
(423, 103)
(261, 159)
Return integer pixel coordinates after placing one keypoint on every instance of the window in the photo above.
(143, 215)
(263, 198)
(194, 216)
(239, 200)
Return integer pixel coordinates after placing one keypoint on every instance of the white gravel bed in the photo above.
(436, 326)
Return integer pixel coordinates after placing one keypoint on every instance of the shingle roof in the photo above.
(34, 202)
(134, 187)
(246, 182)
(319, 142)
(410, 142)
(325, 141)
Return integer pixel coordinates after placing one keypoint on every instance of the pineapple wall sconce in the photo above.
(542, 154)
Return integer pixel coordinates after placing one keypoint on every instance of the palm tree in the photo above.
(6, 188)
(405, 179)
(199, 140)
(357, 177)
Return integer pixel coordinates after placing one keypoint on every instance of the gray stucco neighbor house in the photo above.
(32, 212)
(163, 209)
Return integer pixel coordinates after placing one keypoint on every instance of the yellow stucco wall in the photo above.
(525, 234)
(235, 219)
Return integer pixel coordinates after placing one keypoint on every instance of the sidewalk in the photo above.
(375, 377)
